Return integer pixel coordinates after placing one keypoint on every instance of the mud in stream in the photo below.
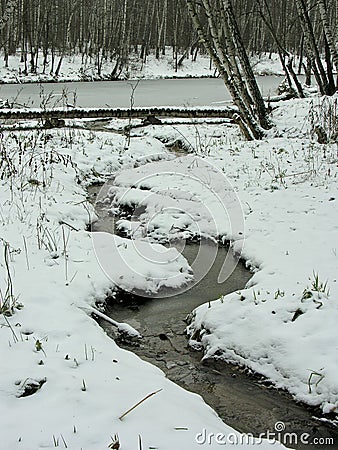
(243, 400)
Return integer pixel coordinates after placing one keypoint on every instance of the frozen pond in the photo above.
(166, 92)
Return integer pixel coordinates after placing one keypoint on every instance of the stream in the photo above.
(242, 399)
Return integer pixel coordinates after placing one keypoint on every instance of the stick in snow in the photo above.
(138, 403)
(122, 327)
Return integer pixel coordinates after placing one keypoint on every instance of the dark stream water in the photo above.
(244, 401)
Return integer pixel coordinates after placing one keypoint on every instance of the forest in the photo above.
(168, 247)
(112, 30)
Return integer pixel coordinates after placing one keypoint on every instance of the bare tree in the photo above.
(223, 41)
(329, 34)
(322, 78)
(108, 30)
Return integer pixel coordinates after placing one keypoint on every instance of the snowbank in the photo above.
(63, 382)
(73, 69)
(283, 325)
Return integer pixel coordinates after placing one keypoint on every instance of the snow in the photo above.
(74, 69)
(123, 260)
(283, 324)
(80, 381)
(274, 200)
(190, 191)
(267, 64)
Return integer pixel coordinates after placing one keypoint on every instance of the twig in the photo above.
(62, 222)
(9, 290)
(15, 337)
(314, 373)
(64, 442)
(138, 403)
(26, 251)
(65, 243)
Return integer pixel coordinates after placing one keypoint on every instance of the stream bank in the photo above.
(243, 400)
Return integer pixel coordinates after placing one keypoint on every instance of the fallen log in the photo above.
(123, 113)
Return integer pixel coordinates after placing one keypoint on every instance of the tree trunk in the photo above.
(328, 32)
(312, 48)
(245, 63)
(253, 129)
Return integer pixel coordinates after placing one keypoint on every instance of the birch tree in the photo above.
(323, 79)
(329, 33)
(222, 39)
(108, 30)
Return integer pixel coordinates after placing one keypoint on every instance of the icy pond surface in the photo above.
(100, 94)
(244, 401)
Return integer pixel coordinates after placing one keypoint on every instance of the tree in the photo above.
(329, 34)
(218, 30)
(109, 30)
(323, 77)
(265, 13)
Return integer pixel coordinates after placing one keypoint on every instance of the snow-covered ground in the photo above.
(274, 200)
(63, 382)
(284, 323)
(74, 69)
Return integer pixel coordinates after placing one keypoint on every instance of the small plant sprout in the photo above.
(93, 352)
(306, 294)
(115, 442)
(7, 299)
(254, 295)
(38, 347)
(64, 442)
(26, 251)
(279, 293)
(47, 239)
(317, 287)
(65, 240)
(55, 441)
(71, 280)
